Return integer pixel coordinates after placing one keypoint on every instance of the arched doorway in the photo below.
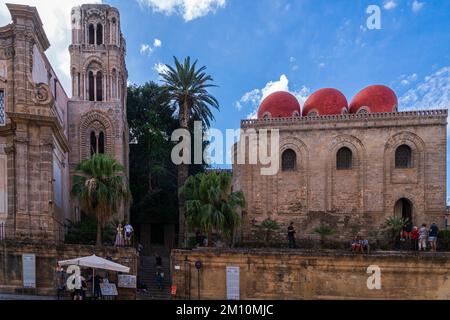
(404, 208)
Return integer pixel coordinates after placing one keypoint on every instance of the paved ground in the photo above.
(23, 297)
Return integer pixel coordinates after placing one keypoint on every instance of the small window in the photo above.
(99, 34)
(344, 159)
(91, 34)
(99, 86)
(2, 108)
(403, 157)
(288, 160)
(312, 114)
(91, 86)
(101, 143)
(93, 143)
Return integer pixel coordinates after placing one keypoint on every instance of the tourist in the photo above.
(198, 238)
(128, 233)
(407, 229)
(432, 237)
(119, 236)
(291, 235)
(355, 244)
(423, 237)
(364, 243)
(96, 283)
(159, 278)
(415, 239)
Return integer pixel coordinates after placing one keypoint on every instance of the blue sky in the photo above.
(254, 47)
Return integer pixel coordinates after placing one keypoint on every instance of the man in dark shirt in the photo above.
(432, 236)
(291, 236)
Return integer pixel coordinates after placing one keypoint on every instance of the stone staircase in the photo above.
(147, 275)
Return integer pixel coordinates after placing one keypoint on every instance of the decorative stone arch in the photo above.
(301, 150)
(94, 59)
(409, 139)
(363, 110)
(359, 156)
(95, 120)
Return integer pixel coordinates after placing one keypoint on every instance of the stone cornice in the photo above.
(425, 117)
(51, 121)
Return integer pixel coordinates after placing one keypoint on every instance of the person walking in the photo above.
(432, 237)
(423, 237)
(291, 235)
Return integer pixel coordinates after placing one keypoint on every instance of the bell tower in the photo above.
(97, 109)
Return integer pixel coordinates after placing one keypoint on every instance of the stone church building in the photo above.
(44, 134)
(346, 166)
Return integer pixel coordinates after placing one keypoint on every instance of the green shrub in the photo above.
(444, 240)
(85, 231)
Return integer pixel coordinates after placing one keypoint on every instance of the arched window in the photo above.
(93, 143)
(113, 31)
(99, 79)
(91, 86)
(403, 157)
(344, 159)
(99, 34)
(114, 84)
(288, 160)
(97, 143)
(101, 143)
(91, 34)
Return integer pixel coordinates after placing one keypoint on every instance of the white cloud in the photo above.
(157, 43)
(254, 97)
(189, 9)
(160, 68)
(407, 80)
(390, 4)
(432, 93)
(322, 65)
(55, 16)
(146, 49)
(417, 6)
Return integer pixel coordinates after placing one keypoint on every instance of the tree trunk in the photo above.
(99, 234)
(183, 173)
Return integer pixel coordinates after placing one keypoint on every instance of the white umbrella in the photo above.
(95, 262)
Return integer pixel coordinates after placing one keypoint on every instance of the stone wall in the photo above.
(354, 200)
(301, 275)
(47, 256)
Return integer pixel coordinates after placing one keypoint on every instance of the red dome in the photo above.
(375, 98)
(324, 102)
(279, 104)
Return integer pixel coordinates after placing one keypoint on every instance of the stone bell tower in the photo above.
(97, 109)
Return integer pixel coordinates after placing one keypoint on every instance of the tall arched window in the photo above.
(99, 34)
(113, 31)
(91, 34)
(288, 160)
(97, 142)
(403, 157)
(114, 84)
(99, 79)
(93, 143)
(101, 143)
(91, 86)
(344, 159)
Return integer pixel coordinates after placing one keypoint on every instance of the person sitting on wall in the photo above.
(356, 244)
(364, 243)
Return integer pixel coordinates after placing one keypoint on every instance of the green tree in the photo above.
(269, 226)
(324, 231)
(187, 87)
(153, 176)
(100, 189)
(211, 205)
(393, 227)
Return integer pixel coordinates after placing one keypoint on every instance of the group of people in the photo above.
(123, 235)
(420, 237)
(360, 245)
(81, 287)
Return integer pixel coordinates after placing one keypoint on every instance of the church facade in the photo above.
(44, 134)
(346, 166)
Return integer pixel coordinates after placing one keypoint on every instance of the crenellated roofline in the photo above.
(439, 114)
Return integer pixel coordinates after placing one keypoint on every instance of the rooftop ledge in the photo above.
(410, 115)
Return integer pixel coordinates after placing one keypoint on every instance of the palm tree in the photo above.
(269, 225)
(100, 188)
(211, 205)
(187, 88)
(393, 227)
(323, 231)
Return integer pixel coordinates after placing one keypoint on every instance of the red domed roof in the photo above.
(324, 102)
(279, 104)
(375, 98)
